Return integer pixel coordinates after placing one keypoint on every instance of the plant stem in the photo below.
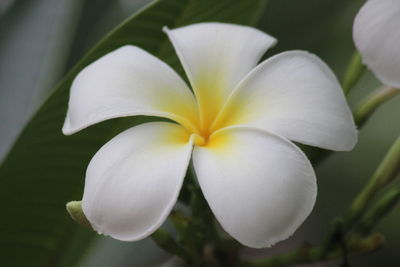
(388, 169)
(372, 102)
(336, 235)
(353, 73)
(311, 254)
(166, 242)
(336, 244)
(379, 211)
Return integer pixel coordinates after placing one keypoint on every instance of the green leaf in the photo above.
(45, 169)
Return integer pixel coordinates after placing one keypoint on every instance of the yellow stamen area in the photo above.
(199, 140)
(202, 129)
(209, 100)
(203, 118)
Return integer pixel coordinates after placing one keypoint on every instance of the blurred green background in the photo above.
(40, 40)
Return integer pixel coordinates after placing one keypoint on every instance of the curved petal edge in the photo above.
(376, 34)
(293, 94)
(128, 82)
(215, 56)
(260, 186)
(133, 181)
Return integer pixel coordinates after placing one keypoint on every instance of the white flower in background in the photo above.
(237, 125)
(376, 33)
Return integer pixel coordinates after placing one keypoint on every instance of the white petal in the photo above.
(376, 33)
(127, 82)
(260, 186)
(295, 95)
(134, 180)
(216, 56)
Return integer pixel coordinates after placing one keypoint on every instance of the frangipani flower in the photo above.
(376, 33)
(236, 127)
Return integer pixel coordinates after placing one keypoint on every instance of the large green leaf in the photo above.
(45, 169)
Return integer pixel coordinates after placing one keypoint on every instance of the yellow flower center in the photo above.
(210, 103)
(199, 140)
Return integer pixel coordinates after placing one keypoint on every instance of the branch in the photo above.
(386, 172)
(353, 73)
(165, 241)
(311, 254)
(372, 102)
(385, 204)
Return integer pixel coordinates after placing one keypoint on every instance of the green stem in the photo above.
(333, 246)
(378, 211)
(372, 102)
(197, 232)
(353, 73)
(189, 236)
(165, 241)
(311, 254)
(386, 172)
(335, 236)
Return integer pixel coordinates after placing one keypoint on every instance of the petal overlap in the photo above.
(293, 94)
(240, 118)
(127, 82)
(215, 57)
(134, 180)
(260, 186)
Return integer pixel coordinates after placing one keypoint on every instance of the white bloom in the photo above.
(376, 33)
(237, 125)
